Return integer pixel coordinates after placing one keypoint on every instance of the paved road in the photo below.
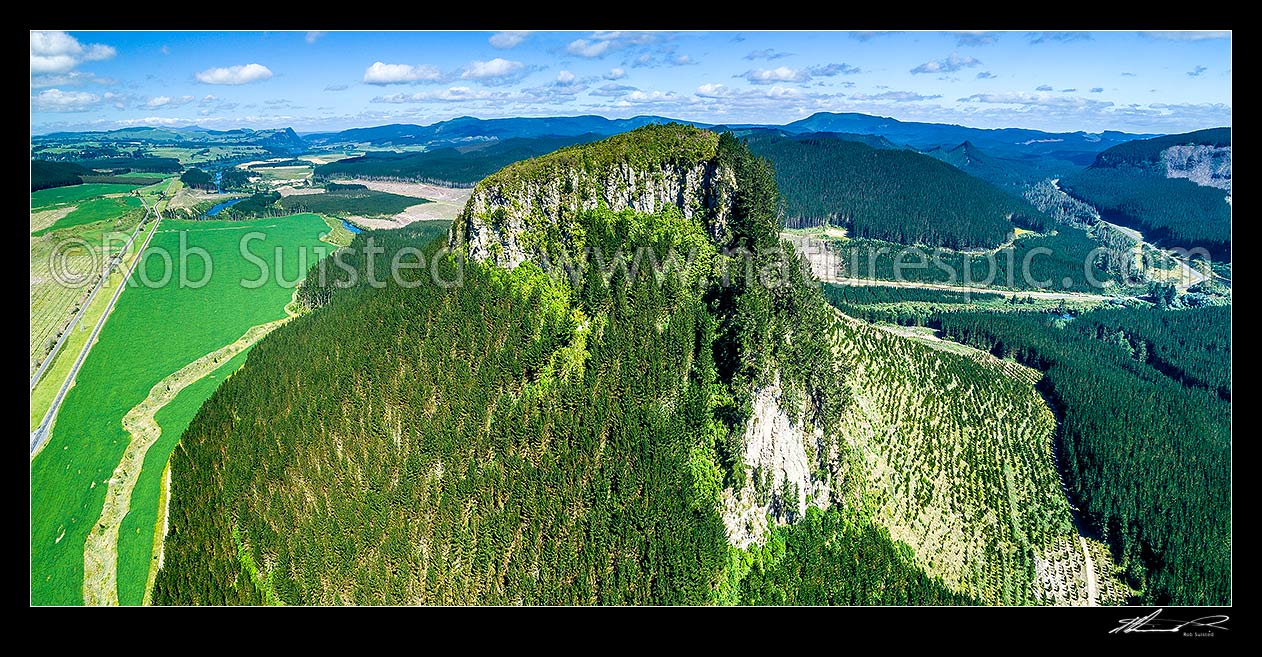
(40, 434)
(83, 308)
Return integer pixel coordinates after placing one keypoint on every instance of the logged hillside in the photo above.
(463, 165)
(1176, 189)
(1145, 425)
(891, 195)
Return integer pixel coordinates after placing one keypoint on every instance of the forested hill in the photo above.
(519, 438)
(1176, 189)
(893, 195)
(1007, 174)
(460, 165)
(1149, 151)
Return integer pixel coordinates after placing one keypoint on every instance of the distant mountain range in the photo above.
(1015, 143)
(284, 138)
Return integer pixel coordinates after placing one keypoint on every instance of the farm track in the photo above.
(100, 554)
(812, 249)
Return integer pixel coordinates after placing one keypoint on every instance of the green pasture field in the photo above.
(92, 211)
(136, 538)
(52, 300)
(152, 332)
(47, 198)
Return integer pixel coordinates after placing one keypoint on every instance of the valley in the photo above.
(551, 346)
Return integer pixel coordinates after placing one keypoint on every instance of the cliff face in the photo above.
(531, 211)
(512, 214)
(782, 458)
(1208, 166)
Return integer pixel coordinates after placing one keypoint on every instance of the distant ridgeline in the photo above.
(46, 174)
(1176, 188)
(895, 195)
(539, 434)
(456, 165)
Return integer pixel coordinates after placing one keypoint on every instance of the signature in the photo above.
(1152, 623)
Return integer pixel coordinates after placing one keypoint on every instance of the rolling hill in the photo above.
(1176, 189)
(892, 195)
(1003, 142)
(463, 165)
(466, 129)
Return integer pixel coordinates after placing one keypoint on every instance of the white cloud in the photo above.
(774, 75)
(589, 49)
(895, 96)
(337, 87)
(975, 37)
(599, 44)
(382, 73)
(1196, 72)
(649, 97)
(56, 100)
(615, 74)
(565, 77)
(986, 75)
(829, 70)
(949, 65)
(58, 52)
(1064, 37)
(165, 49)
(712, 90)
(868, 35)
(96, 52)
(767, 54)
(314, 35)
(786, 74)
(118, 100)
(495, 69)
(168, 101)
(1043, 87)
(613, 90)
(507, 39)
(451, 94)
(239, 74)
(1097, 90)
(1035, 100)
(1187, 35)
(68, 79)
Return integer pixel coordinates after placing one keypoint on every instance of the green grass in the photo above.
(43, 322)
(139, 174)
(136, 538)
(338, 234)
(46, 198)
(53, 303)
(92, 211)
(151, 333)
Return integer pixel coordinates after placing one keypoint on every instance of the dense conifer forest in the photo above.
(891, 195)
(1145, 433)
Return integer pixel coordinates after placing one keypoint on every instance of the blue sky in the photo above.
(313, 81)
